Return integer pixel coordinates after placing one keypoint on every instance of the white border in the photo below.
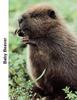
(3, 34)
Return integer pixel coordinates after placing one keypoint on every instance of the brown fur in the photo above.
(51, 47)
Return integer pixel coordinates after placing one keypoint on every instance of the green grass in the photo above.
(19, 82)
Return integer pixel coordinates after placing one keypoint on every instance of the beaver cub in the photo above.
(51, 48)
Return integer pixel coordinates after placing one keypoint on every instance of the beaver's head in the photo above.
(37, 22)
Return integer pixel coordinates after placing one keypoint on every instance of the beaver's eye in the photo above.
(51, 14)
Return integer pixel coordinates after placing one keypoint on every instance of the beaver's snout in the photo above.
(19, 32)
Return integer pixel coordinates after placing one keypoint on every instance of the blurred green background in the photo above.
(19, 82)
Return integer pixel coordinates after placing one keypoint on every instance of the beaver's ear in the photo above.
(52, 14)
